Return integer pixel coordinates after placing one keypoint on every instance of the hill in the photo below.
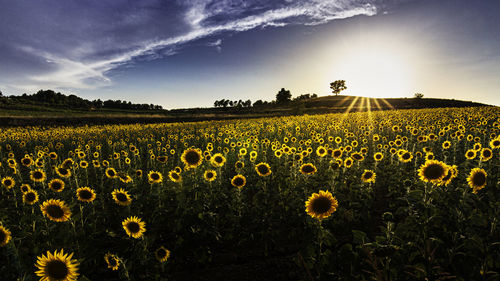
(45, 113)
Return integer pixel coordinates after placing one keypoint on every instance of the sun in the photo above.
(375, 70)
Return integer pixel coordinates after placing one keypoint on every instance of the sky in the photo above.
(189, 53)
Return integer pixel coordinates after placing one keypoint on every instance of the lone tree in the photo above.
(283, 96)
(419, 95)
(338, 86)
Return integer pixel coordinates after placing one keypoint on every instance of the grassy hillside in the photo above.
(36, 114)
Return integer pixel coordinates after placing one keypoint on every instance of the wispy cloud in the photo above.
(84, 69)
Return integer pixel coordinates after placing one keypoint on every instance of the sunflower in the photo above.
(452, 173)
(321, 151)
(25, 187)
(174, 176)
(433, 171)
(477, 179)
(405, 156)
(210, 175)
(56, 210)
(63, 172)
(446, 144)
(162, 254)
(155, 177)
(495, 143)
(162, 159)
(308, 169)
(348, 162)
(8, 182)
(368, 176)
(178, 170)
(321, 205)
(112, 260)
(110, 173)
(378, 156)
(429, 156)
(470, 154)
(30, 197)
(263, 169)
(27, 161)
(53, 155)
(84, 164)
(138, 173)
(56, 185)
(486, 154)
(121, 197)
(38, 175)
(239, 165)
(357, 156)
(124, 177)
(192, 157)
(239, 181)
(5, 236)
(134, 227)
(85, 194)
(218, 160)
(57, 267)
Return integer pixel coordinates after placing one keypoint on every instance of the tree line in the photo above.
(51, 98)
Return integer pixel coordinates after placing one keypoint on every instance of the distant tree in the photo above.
(258, 103)
(419, 95)
(338, 86)
(1, 95)
(283, 96)
(247, 103)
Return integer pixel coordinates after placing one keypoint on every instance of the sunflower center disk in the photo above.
(192, 157)
(55, 211)
(434, 171)
(479, 179)
(133, 227)
(321, 205)
(57, 270)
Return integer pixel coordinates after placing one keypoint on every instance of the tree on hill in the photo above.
(283, 96)
(419, 95)
(338, 86)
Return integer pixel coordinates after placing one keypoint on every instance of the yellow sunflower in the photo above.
(210, 175)
(134, 227)
(218, 160)
(405, 156)
(30, 197)
(121, 197)
(378, 156)
(138, 173)
(486, 154)
(239, 165)
(239, 181)
(63, 172)
(308, 169)
(470, 154)
(25, 187)
(174, 176)
(368, 176)
(85, 194)
(321, 151)
(27, 161)
(263, 169)
(321, 205)
(56, 185)
(452, 173)
(155, 177)
(5, 236)
(56, 210)
(110, 173)
(192, 157)
(477, 179)
(495, 143)
(433, 171)
(348, 162)
(57, 267)
(8, 182)
(112, 260)
(162, 254)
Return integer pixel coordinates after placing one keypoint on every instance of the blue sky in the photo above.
(190, 53)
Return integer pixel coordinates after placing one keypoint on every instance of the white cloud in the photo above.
(82, 74)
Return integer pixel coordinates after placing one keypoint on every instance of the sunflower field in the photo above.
(392, 195)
